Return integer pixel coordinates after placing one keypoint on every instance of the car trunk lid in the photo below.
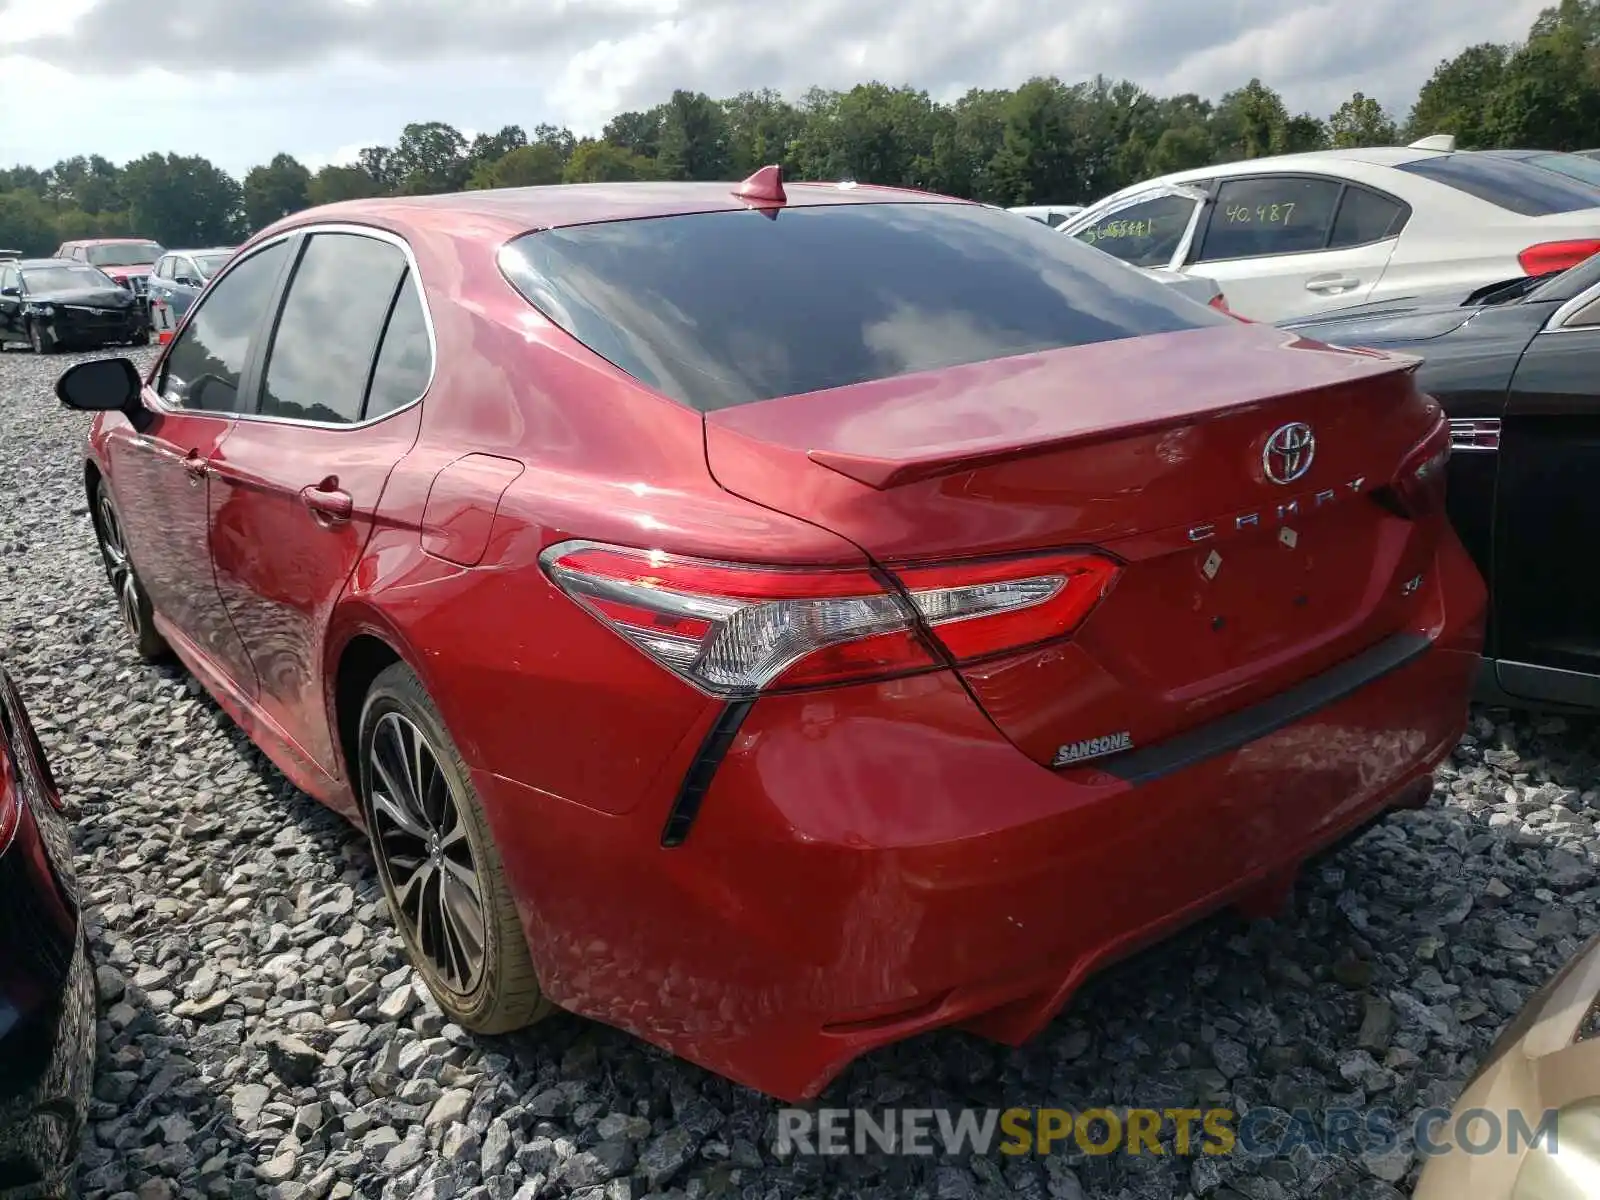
(1155, 451)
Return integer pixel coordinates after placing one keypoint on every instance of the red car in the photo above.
(778, 620)
(129, 261)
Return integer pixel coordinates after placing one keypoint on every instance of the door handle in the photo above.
(327, 503)
(1332, 283)
(195, 467)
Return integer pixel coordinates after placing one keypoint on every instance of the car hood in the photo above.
(96, 297)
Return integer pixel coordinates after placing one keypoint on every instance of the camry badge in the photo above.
(1288, 453)
(1077, 752)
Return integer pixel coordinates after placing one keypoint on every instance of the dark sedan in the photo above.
(50, 302)
(47, 1014)
(1517, 367)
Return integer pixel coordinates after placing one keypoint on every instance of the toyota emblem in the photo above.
(1288, 453)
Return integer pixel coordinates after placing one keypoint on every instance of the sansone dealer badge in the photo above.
(1077, 752)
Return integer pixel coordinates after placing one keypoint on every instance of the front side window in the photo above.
(727, 308)
(1265, 215)
(9, 278)
(124, 254)
(1146, 234)
(204, 368)
(322, 352)
(210, 264)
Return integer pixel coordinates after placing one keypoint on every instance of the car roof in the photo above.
(1311, 160)
(123, 241)
(205, 250)
(26, 263)
(506, 212)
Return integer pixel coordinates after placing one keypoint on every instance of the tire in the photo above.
(496, 990)
(40, 338)
(142, 338)
(133, 603)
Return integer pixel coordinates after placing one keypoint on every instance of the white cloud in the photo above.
(322, 78)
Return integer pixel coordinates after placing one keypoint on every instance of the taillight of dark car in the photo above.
(737, 629)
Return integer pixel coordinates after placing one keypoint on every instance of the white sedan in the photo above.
(1302, 233)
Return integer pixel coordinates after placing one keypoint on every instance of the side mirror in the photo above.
(13, 290)
(100, 385)
(188, 281)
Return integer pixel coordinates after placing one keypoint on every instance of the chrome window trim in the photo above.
(1558, 319)
(1470, 435)
(414, 272)
(1079, 221)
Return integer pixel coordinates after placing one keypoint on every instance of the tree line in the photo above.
(1046, 141)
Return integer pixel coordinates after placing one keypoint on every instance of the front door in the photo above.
(1547, 575)
(297, 486)
(161, 474)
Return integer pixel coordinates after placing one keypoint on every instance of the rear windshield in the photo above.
(125, 254)
(1574, 166)
(64, 279)
(720, 309)
(1508, 183)
(210, 264)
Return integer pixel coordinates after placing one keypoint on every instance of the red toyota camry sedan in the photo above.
(781, 618)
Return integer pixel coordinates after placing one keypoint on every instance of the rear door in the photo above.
(10, 304)
(297, 486)
(1546, 574)
(1286, 246)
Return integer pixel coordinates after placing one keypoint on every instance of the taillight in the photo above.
(1419, 484)
(1545, 257)
(737, 629)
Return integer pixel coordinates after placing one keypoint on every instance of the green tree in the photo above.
(526, 166)
(1548, 95)
(26, 223)
(694, 138)
(601, 162)
(966, 142)
(1456, 97)
(274, 191)
(341, 182)
(638, 132)
(762, 128)
(490, 148)
(1250, 123)
(381, 166)
(429, 158)
(1361, 121)
(182, 200)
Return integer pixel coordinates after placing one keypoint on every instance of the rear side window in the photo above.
(1506, 183)
(327, 335)
(1261, 216)
(1366, 217)
(720, 309)
(405, 360)
(1145, 234)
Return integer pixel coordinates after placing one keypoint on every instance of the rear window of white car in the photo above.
(727, 308)
(1507, 183)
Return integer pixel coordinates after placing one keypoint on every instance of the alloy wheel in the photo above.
(114, 549)
(425, 854)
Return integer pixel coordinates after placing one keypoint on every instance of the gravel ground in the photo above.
(261, 1034)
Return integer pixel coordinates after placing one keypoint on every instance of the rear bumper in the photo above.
(47, 1002)
(876, 861)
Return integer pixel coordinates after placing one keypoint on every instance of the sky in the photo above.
(241, 80)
